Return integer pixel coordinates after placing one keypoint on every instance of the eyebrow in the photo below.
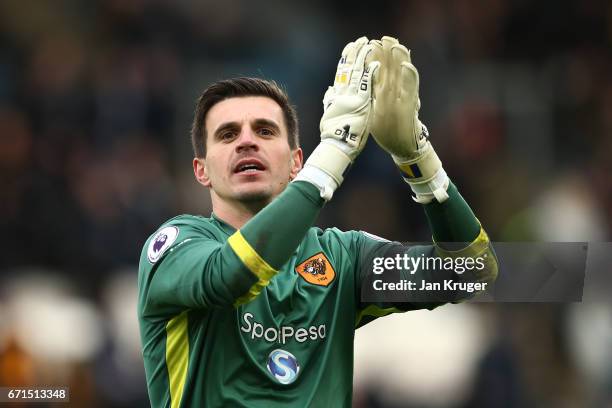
(266, 122)
(260, 122)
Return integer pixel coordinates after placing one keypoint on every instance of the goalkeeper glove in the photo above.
(396, 125)
(345, 124)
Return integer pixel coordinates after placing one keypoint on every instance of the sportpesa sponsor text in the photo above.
(280, 334)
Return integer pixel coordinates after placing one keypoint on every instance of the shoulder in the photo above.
(177, 230)
(327, 233)
(353, 242)
(345, 237)
(187, 224)
(333, 238)
(190, 221)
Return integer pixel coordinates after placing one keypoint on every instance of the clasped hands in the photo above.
(376, 92)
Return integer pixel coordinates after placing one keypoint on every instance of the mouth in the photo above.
(249, 166)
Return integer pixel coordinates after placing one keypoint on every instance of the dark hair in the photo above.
(237, 87)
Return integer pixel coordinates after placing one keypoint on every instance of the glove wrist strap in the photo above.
(425, 175)
(434, 189)
(421, 168)
(325, 168)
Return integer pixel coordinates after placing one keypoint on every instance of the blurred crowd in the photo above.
(96, 102)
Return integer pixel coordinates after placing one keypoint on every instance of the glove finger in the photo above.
(361, 47)
(377, 43)
(349, 53)
(391, 70)
(399, 53)
(409, 81)
(347, 60)
(369, 77)
(378, 54)
(360, 42)
(342, 72)
(359, 68)
(388, 42)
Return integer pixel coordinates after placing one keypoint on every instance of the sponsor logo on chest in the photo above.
(283, 366)
(282, 334)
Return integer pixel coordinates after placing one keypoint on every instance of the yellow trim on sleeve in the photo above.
(249, 257)
(376, 311)
(252, 293)
(177, 357)
(480, 247)
(255, 263)
(477, 247)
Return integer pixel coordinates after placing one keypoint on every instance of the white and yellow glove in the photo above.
(345, 124)
(396, 125)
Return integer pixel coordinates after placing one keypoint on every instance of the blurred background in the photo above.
(96, 102)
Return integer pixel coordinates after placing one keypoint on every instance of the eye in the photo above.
(227, 135)
(266, 132)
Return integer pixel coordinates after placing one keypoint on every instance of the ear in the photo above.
(200, 172)
(297, 161)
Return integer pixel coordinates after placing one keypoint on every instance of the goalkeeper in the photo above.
(253, 306)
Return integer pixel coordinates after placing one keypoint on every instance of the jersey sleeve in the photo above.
(183, 266)
(193, 271)
(438, 272)
(371, 248)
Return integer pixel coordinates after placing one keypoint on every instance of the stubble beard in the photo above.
(255, 200)
(253, 197)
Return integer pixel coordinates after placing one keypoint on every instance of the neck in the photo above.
(236, 213)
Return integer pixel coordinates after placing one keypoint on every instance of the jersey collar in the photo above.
(222, 224)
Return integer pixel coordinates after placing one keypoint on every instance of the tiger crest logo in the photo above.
(317, 270)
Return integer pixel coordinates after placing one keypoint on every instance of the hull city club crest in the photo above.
(317, 270)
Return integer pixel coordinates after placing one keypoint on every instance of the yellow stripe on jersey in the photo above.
(480, 247)
(255, 263)
(477, 247)
(376, 311)
(252, 293)
(177, 356)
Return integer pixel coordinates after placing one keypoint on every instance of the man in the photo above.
(253, 306)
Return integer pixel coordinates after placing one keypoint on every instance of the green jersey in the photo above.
(222, 327)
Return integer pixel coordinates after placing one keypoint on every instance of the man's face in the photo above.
(248, 158)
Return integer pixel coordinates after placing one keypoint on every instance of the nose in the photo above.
(246, 140)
